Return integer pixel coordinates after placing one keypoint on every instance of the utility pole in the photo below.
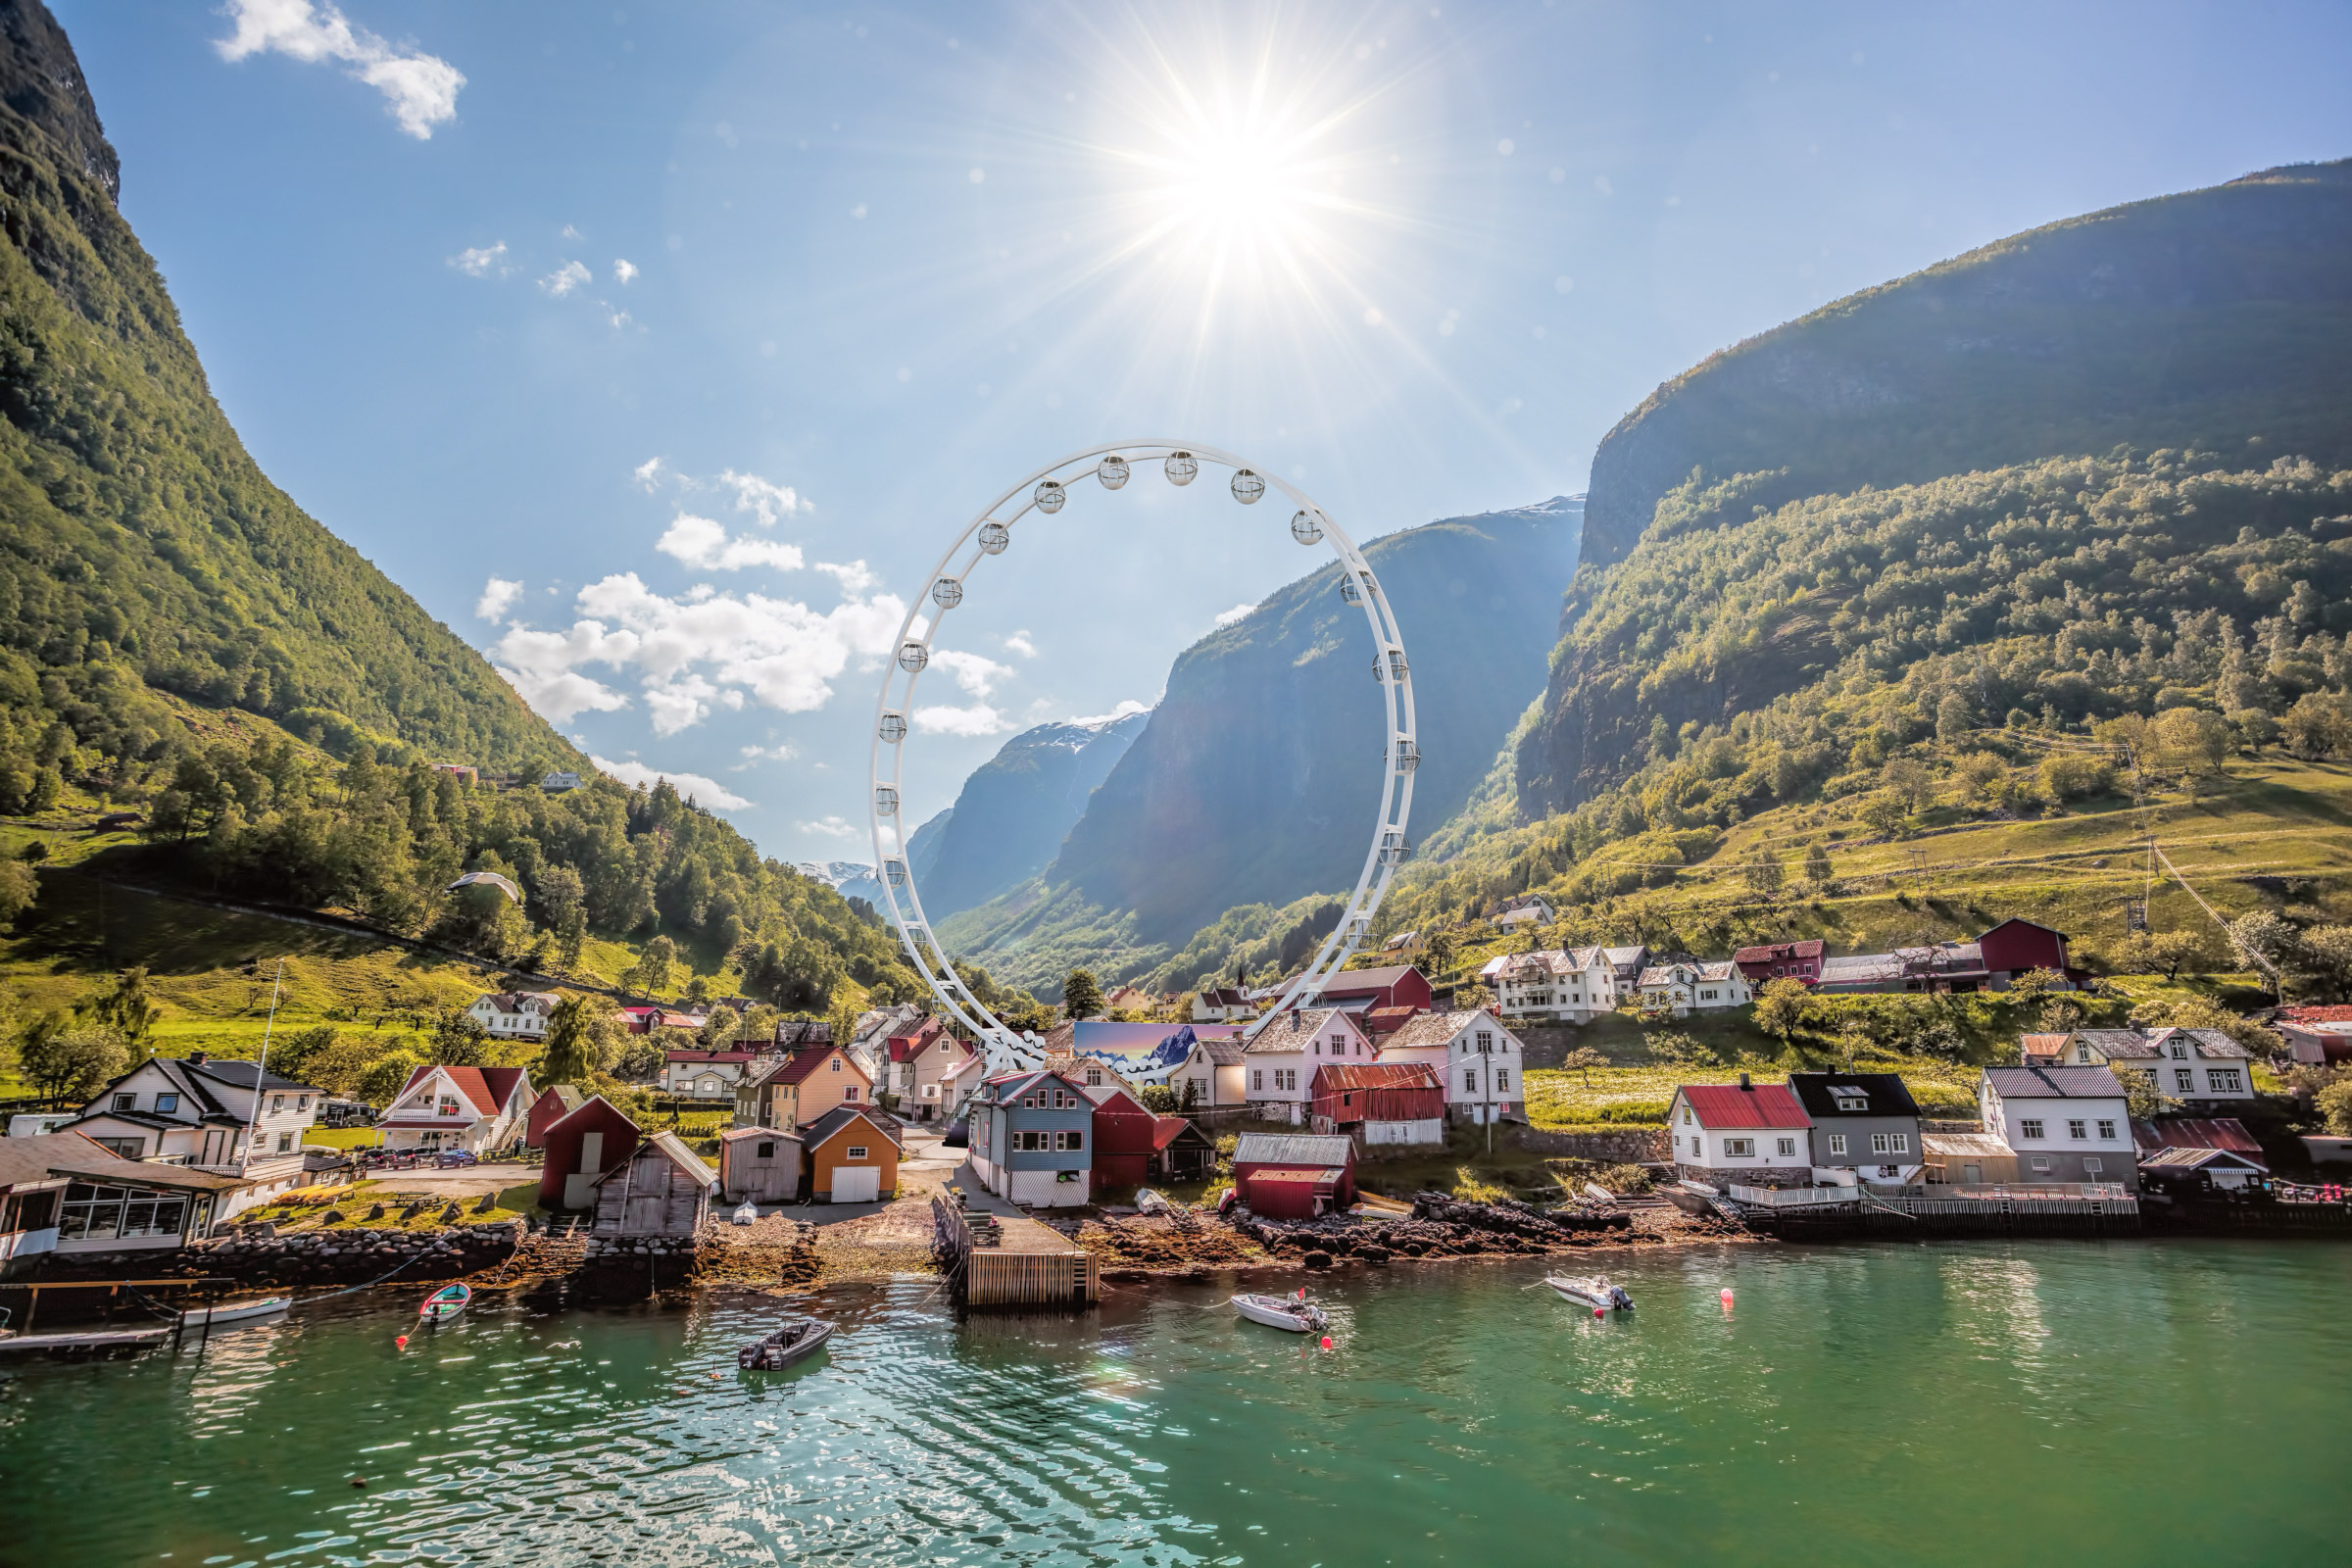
(261, 1069)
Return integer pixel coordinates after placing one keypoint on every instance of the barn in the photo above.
(580, 1146)
(555, 1103)
(1125, 1135)
(1380, 1102)
(663, 1189)
(1295, 1175)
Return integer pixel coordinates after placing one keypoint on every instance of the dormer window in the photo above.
(2180, 1051)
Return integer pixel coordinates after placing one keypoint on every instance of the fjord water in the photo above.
(2046, 1402)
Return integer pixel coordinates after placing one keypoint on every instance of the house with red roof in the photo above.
(2319, 1036)
(1380, 1102)
(919, 1063)
(1755, 1135)
(1781, 961)
(474, 1109)
(793, 1092)
(1359, 990)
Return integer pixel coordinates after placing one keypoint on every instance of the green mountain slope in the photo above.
(2218, 319)
(140, 546)
(1256, 778)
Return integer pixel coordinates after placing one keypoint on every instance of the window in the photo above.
(1788, 1145)
(1338, 1044)
(449, 1105)
(2076, 1129)
(1706, 996)
(2180, 1051)
(1485, 1041)
(277, 1102)
(302, 1102)
(2030, 1129)
(2092, 1166)
(766, 1151)
(127, 1147)
(1031, 1101)
(1070, 1140)
(848, 1092)
(2041, 1164)
(285, 1143)
(854, 1152)
(1698, 1145)
(1093, 1077)
(2183, 1080)
(1837, 1143)
(126, 1101)
(1739, 1147)
(1686, 1115)
(2224, 1080)
(1470, 1080)
(166, 1105)
(1890, 1142)
(1258, 1078)
(1502, 1077)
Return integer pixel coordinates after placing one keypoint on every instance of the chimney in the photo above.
(197, 1058)
(1745, 1084)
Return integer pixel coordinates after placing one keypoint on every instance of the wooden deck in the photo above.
(97, 1339)
(1033, 1266)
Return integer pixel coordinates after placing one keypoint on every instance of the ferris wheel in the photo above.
(995, 532)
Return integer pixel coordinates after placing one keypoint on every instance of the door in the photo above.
(1974, 1175)
(857, 1183)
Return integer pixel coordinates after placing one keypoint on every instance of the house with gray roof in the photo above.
(2200, 1067)
(1865, 1122)
(2067, 1124)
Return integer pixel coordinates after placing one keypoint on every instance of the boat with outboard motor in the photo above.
(1593, 1291)
(796, 1340)
(230, 1312)
(445, 1303)
(1292, 1314)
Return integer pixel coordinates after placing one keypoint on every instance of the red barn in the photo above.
(555, 1103)
(1295, 1175)
(1126, 1137)
(1361, 991)
(1380, 1102)
(1781, 961)
(2014, 946)
(584, 1145)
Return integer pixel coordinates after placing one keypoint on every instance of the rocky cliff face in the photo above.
(2219, 319)
(1013, 813)
(41, 80)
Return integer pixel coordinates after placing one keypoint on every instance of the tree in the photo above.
(1910, 782)
(721, 1028)
(2194, 740)
(1782, 1007)
(1818, 870)
(1081, 997)
(639, 1061)
(1584, 1059)
(1885, 812)
(2320, 725)
(123, 1007)
(2326, 957)
(650, 974)
(561, 893)
(2266, 937)
(2143, 1100)
(69, 1061)
(2173, 948)
(570, 1048)
(2034, 983)
(572, 938)
(459, 1040)
(1764, 872)
(1439, 948)
(19, 886)
(1985, 777)
(2336, 1103)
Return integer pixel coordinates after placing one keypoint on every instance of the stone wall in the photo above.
(350, 1256)
(1630, 1146)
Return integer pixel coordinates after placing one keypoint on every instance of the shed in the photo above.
(663, 1189)
(2197, 1131)
(580, 1147)
(1283, 1193)
(760, 1164)
(1124, 1133)
(2190, 1170)
(555, 1103)
(1381, 1102)
(1968, 1159)
(852, 1155)
(1180, 1151)
(1257, 1154)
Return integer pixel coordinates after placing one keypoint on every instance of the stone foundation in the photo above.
(1634, 1145)
(350, 1256)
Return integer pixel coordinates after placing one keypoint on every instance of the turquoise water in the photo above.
(2120, 1402)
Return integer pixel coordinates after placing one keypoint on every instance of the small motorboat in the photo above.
(230, 1312)
(445, 1303)
(796, 1340)
(747, 1214)
(1594, 1292)
(1287, 1312)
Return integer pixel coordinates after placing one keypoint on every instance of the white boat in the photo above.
(1282, 1312)
(1593, 1292)
(236, 1312)
(747, 1214)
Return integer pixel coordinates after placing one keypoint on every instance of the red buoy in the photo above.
(1327, 1341)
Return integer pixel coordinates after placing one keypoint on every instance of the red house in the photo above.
(1295, 1175)
(1363, 990)
(580, 1147)
(1126, 1137)
(555, 1103)
(2014, 946)
(1781, 961)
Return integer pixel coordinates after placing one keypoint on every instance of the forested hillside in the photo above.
(141, 550)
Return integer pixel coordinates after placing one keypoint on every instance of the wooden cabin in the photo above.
(581, 1147)
(555, 1103)
(760, 1166)
(663, 1189)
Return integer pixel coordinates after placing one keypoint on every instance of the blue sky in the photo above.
(659, 349)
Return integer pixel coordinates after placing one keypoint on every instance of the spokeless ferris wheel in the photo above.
(992, 533)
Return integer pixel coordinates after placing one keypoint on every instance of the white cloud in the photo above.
(498, 597)
(1237, 613)
(1130, 706)
(624, 271)
(696, 650)
(572, 232)
(977, 720)
(765, 753)
(764, 500)
(856, 577)
(976, 674)
(701, 542)
(649, 474)
(481, 260)
(420, 90)
(703, 791)
(1020, 643)
(832, 827)
(563, 279)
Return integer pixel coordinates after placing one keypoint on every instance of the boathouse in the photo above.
(1380, 1102)
(663, 1189)
(580, 1146)
(1293, 1175)
(760, 1166)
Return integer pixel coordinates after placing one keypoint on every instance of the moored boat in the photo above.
(794, 1342)
(747, 1214)
(445, 1303)
(1593, 1291)
(1286, 1313)
(235, 1312)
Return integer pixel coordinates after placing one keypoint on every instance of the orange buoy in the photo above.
(1727, 1298)
(1327, 1341)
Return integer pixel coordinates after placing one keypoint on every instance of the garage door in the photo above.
(857, 1183)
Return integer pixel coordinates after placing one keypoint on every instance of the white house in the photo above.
(1476, 1059)
(1217, 1069)
(2067, 1124)
(1531, 909)
(1223, 1005)
(1682, 989)
(198, 1111)
(697, 1074)
(1757, 1135)
(1567, 985)
(477, 1109)
(513, 1014)
(2193, 1064)
(1281, 1059)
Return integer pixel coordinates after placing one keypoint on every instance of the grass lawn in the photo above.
(343, 1136)
(513, 1203)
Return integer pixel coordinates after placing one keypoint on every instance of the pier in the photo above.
(1025, 1264)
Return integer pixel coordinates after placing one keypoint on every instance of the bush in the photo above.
(1622, 1179)
(1637, 1113)
(2067, 777)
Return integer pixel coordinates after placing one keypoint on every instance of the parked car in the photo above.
(448, 1157)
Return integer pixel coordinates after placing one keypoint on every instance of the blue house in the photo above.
(1032, 1137)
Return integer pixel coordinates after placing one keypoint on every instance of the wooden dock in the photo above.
(1032, 1265)
(94, 1341)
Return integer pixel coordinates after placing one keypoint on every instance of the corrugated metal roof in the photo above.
(1291, 1149)
(1722, 1106)
(2196, 1132)
(1328, 1176)
(2195, 1158)
(2053, 1083)
(1337, 1076)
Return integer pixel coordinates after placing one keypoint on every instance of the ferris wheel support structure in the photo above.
(992, 533)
